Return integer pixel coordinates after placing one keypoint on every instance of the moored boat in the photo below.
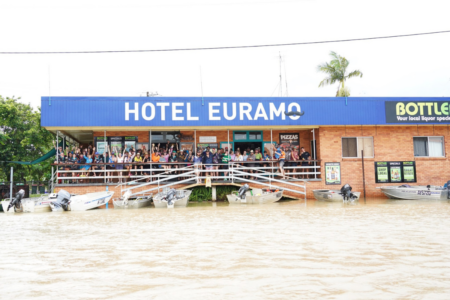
(170, 198)
(408, 192)
(67, 202)
(126, 201)
(41, 204)
(255, 196)
(344, 194)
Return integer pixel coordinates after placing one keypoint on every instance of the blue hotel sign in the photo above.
(230, 111)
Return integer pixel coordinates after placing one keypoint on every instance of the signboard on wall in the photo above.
(381, 172)
(207, 139)
(204, 145)
(394, 171)
(116, 143)
(130, 142)
(333, 173)
(417, 112)
(290, 139)
(101, 144)
(409, 171)
(187, 146)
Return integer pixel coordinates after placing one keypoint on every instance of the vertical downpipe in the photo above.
(364, 179)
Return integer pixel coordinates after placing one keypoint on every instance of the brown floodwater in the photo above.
(378, 249)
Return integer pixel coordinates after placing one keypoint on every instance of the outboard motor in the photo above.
(62, 200)
(243, 190)
(17, 201)
(171, 197)
(448, 189)
(346, 192)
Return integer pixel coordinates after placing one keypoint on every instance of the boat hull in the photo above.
(86, 201)
(256, 196)
(140, 202)
(5, 205)
(182, 202)
(332, 195)
(39, 205)
(414, 192)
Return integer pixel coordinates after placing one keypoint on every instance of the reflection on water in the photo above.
(378, 249)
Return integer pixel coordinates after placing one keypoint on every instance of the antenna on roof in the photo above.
(49, 93)
(201, 84)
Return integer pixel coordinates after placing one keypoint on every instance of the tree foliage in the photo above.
(336, 70)
(22, 139)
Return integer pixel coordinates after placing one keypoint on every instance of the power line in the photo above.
(226, 47)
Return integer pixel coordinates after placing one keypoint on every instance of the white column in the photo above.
(314, 153)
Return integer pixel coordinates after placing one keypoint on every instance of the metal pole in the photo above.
(150, 154)
(195, 141)
(364, 179)
(271, 154)
(104, 156)
(314, 153)
(52, 181)
(229, 149)
(11, 184)
(57, 146)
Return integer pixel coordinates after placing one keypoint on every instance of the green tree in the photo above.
(336, 70)
(22, 139)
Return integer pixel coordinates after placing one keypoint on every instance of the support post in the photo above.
(271, 154)
(229, 149)
(57, 146)
(314, 154)
(214, 193)
(11, 184)
(364, 179)
(195, 141)
(52, 182)
(104, 156)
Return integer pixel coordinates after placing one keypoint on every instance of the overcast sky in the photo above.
(412, 66)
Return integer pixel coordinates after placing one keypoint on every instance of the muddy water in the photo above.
(373, 250)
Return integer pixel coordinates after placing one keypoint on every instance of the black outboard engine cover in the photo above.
(17, 201)
(243, 190)
(62, 200)
(448, 189)
(346, 191)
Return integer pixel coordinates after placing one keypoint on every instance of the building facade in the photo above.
(402, 140)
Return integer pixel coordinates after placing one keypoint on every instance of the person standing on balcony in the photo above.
(251, 158)
(225, 160)
(281, 156)
(207, 161)
(294, 161)
(305, 156)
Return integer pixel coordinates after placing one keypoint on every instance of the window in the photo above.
(352, 146)
(240, 135)
(254, 135)
(430, 146)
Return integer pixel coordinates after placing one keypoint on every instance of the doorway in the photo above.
(247, 146)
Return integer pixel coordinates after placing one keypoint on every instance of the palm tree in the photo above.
(337, 72)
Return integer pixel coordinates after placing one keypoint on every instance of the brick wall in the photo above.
(391, 143)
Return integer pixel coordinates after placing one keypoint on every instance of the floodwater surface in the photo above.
(378, 249)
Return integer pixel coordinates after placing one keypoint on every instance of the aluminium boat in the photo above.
(126, 201)
(408, 192)
(66, 202)
(41, 204)
(170, 198)
(245, 195)
(344, 194)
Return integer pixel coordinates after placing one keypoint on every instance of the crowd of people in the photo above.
(120, 165)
